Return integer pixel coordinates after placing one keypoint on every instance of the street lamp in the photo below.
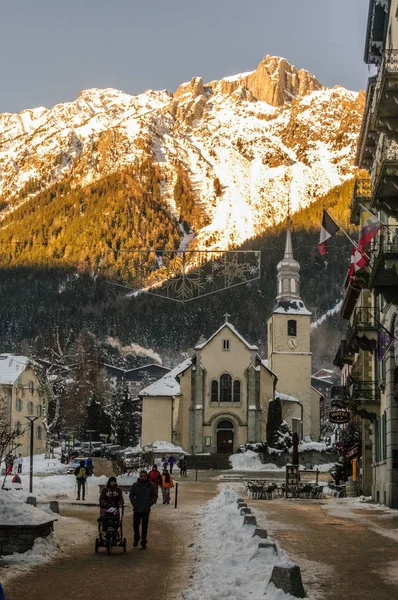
(31, 420)
(90, 431)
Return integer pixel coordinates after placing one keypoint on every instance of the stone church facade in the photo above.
(218, 400)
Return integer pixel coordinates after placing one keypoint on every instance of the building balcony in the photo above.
(385, 102)
(367, 139)
(361, 195)
(384, 263)
(363, 397)
(344, 356)
(384, 176)
(362, 332)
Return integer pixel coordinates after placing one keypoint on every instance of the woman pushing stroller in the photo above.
(110, 501)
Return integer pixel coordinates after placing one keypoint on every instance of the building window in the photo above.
(39, 410)
(38, 432)
(18, 404)
(236, 390)
(225, 344)
(18, 427)
(31, 387)
(214, 390)
(225, 425)
(292, 327)
(225, 388)
(31, 408)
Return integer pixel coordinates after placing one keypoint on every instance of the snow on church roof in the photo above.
(168, 384)
(232, 328)
(11, 367)
(291, 307)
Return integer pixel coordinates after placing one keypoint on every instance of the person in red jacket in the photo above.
(156, 478)
(111, 496)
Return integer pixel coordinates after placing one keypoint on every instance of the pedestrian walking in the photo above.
(9, 461)
(89, 466)
(142, 496)
(20, 463)
(156, 478)
(165, 463)
(81, 480)
(15, 465)
(167, 484)
(172, 461)
(182, 465)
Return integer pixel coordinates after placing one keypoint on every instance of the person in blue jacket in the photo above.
(172, 461)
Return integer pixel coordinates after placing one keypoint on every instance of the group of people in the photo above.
(13, 464)
(82, 472)
(170, 462)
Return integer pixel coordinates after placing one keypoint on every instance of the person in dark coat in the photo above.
(143, 495)
(81, 479)
(172, 461)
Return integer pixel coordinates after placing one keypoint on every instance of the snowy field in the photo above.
(228, 561)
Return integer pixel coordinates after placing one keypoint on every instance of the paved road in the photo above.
(342, 553)
(158, 573)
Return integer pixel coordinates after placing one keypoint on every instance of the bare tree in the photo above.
(8, 434)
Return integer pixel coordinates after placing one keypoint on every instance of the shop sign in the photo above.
(339, 416)
(353, 452)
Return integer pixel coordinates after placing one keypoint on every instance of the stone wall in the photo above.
(308, 457)
(20, 538)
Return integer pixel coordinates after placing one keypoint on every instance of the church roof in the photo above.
(232, 328)
(168, 385)
(291, 307)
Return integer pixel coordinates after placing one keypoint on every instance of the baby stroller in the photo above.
(110, 529)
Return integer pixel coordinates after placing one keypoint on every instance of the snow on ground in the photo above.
(44, 549)
(251, 461)
(228, 561)
(166, 447)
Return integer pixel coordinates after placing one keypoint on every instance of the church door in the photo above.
(225, 437)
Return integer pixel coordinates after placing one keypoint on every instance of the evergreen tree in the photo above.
(125, 417)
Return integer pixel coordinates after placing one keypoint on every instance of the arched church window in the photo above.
(293, 285)
(225, 424)
(236, 395)
(225, 388)
(285, 285)
(214, 390)
(292, 327)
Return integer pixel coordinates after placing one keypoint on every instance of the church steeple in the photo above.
(288, 272)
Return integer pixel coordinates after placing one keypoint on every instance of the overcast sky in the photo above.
(52, 49)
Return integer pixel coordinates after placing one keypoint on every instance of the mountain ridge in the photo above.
(236, 149)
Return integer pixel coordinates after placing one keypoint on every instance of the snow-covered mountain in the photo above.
(247, 142)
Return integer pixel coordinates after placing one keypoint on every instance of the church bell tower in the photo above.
(288, 329)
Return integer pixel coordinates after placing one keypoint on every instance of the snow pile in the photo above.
(246, 461)
(313, 446)
(41, 464)
(165, 447)
(43, 550)
(228, 561)
(14, 511)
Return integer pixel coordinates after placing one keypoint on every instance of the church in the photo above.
(218, 399)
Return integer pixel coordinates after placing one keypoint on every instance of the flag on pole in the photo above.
(384, 341)
(328, 229)
(358, 261)
(369, 225)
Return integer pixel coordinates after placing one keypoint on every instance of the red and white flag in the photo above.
(328, 229)
(358, 261)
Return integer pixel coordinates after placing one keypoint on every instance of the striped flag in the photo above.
(369, 225)
(328, 229)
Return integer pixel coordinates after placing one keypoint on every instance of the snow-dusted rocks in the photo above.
(262, 134)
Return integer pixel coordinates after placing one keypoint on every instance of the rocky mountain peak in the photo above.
(274, 81)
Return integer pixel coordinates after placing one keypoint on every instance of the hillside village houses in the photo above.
(218, 399)
(23, 395)
(368, 356)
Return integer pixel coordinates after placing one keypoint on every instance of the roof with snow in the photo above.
(291, 307)
(168, 385)
(11, 367)
(286, 397)
(234, 331)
